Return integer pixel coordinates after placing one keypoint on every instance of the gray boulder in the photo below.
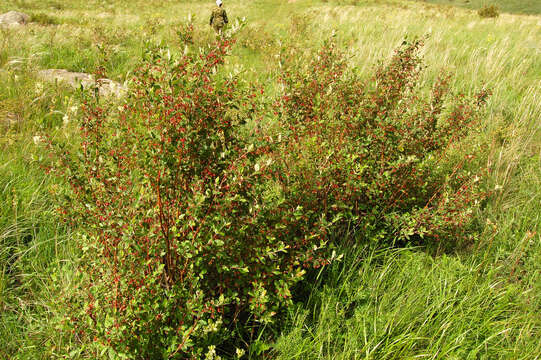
(76, 79)
(14, 18)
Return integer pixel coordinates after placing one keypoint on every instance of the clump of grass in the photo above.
(256, 38)
(489, 11)
(393, 304)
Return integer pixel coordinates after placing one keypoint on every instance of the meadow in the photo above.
(479, 299)
(511, 6)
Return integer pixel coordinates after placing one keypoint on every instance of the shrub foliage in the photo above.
(377, 154)
(178, 243)
(489, 11)
(193, 233)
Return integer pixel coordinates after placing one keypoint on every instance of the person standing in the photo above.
(218, 19)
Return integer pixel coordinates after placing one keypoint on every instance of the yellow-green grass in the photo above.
(482, 302)
(510, 6)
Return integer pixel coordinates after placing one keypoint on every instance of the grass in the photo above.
(31, 247)
(403, 303)
(509, 6)
(482, 302)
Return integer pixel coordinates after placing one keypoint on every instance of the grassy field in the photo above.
(480, 302)
(508, 6)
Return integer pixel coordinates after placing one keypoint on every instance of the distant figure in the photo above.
(218, 19)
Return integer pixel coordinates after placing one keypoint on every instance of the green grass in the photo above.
(509, 6)
(482, 302)
(31, 247)
(405, 304)
(390, 304)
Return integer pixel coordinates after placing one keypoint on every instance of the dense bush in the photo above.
(179, 243)
(376, 154)
(194, 234)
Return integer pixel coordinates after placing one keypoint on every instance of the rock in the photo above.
(14, 18)
(75, 79)
(9, 120)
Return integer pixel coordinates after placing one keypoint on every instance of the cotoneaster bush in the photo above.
(378, 156)
(182, 250)
(193, 234)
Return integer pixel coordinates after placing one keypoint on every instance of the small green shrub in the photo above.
(489, 11)
(44, 19)
(185, 34)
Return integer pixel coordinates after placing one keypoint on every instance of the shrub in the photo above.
(377, 155)
(193, 234)
(186, 30)
(44, 19)
(185, 34)
(180, 241)
(489, 11)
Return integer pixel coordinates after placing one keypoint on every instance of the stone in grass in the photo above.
(76, 79)
(9, 120)
(14, 18)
